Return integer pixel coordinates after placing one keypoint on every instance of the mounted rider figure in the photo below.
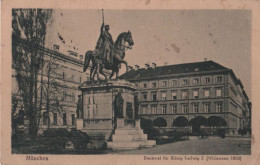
(104, 46)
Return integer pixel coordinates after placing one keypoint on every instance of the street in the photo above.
(195, 146)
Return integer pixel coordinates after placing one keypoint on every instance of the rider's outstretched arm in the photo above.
(102, 29)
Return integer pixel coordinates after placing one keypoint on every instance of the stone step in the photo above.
(140, 137)
(123, 137)
(128, 131)
(130, 145)
(123, 145)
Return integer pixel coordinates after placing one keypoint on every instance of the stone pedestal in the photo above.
(120, 123)
(103, 117)
(79, 124)
(98, 98)
(126, 138)
(138, 123)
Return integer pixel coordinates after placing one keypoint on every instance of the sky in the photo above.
(165, 37)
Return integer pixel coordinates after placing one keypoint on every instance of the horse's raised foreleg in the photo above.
(120, 60)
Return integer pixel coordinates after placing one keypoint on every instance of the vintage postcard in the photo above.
(130, 82)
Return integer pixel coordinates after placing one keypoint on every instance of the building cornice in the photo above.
(172, 76)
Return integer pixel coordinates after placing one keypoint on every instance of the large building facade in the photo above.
(58, 84)
(192, 90)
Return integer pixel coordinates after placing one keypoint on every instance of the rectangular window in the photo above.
(207, 108)
(64, 119)
(218, 92)
(206, 93)
(144, 97)
(164, 83)
(195, 108)
(55, 119)
(63, 75)
(174, 109)
(174, 95)
(195, 81)
(72, 119)
(219, 79)
(174, 82)
(195, 94)
(154, 96)
(164, 109)
(219, 107)
(184, 81)
(80, 79)
(207, 79)
(164, 96)
(154, 109)
(144, 110)
(145, 85)
(45, 118)
(185, 95)
(154, 84)
(184, 108)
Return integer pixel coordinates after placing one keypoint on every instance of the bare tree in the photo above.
(28, 40)
(51, 87)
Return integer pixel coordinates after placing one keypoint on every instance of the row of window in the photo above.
(207, 80)
(184, 109)
(72, 78)
(184, 95)
(55, 119)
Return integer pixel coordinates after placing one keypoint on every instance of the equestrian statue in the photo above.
(108, 54)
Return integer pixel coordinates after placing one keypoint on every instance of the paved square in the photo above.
(208, 146)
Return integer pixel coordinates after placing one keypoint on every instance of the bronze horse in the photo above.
(118, 54)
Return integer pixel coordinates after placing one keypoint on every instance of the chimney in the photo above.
(205, 59)
(72, 53)
(81, 57)
(136, 67)
(56, 47)
(130, 68)
(153, 65)
(147, 66)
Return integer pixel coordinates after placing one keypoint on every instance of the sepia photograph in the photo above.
(131, 81)
(86, 82)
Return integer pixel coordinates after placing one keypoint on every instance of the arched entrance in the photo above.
(160, 122)
(197, 122)
(216, 122)
(180, 121)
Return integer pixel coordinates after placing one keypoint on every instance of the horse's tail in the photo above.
(87, 60)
